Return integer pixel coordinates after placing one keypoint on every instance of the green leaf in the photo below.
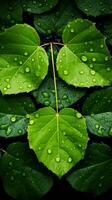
(86, 53)
(107, 26)
(94, 174)
(23, 63)
(38, 6)
(22, 176)
(56, 20)
(99, 101)
(100, 124)
(12, 114)
(59, 140)
(67, 95)
(10, 13)
(96, 7)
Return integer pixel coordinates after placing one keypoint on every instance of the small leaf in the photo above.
(10, 13)
(94, 174)
(100, 124)
(86, 53)
(22, 176)
(56, 20)
(38, 6)
(59, 140)
(12, 115)
(96, 7)
(99, 101)
(67, 95)
(23, 63)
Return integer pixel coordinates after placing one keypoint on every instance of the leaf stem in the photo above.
(54, 76)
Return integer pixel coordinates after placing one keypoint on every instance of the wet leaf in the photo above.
(59, 140)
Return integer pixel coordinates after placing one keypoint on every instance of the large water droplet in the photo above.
(70, 160)
(49, 151)
(13, 119)
(92, 72)
(58, 159)
(78, 115)
(84, 58)
(65, 72)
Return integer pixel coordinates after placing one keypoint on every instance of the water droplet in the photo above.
(12, 178)
(33, 59)
(93, 59)
(102, 177)
(84, 58)
(108, 69)
(78, 115)
(8, 131)
(20, 62)
(81, 72)
(15, 59)
(100, 185)
(19, 131)
(13, 119)
(23, 174)
(94, 80)
(65, 96)
(47, 103)
(45, 94)
(64, 133)
(70, 160)
(27, 69)
(91, 49)
(106, 58)
(86, 9)
(92, 72)
(68, 25)
(10, 163)
(49, 151)
(8, 86)
(31, 122)
(36, 115)
(25, 53)
(65, 72)
(72, 30)
(80, 145)
(39, 148)
(101, 45)
(7, 80)
(91, 65)
(58, 159)
(97, 126)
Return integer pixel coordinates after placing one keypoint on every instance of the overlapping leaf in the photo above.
(22, 176)
(59, 140)
(84, 60)
(96, 7)
(12, 115)
(100, 124)
(38, 6)
(94, 174)
(67, 95)
(23, 63)
(99, 101)
(56, 20)
(10, 13)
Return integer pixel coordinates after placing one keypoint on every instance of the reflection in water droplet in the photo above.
(13, 119)
(84, 58)
(78, 115)
(70, 160)
(49, 151)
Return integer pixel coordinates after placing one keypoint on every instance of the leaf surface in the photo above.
(84, 61)
(59, 140)
(21, 174)
(23, 63)
(94, 174)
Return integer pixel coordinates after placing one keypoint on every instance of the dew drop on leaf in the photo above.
(84, 58)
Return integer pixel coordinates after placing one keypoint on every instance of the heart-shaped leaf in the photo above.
(96, 7)
(59, 140)
(23, 63)
(38, 6)
(67, 95)
(100, 124)
(94, 175)
(22, 176)
(99, 101)
(84, 60)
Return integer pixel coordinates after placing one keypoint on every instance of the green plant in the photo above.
(68, 68)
